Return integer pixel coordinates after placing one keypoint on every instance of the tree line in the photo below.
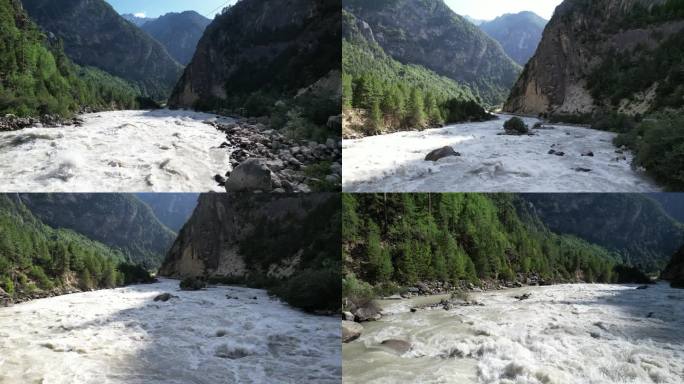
(406, 238)
(37, 78)
(35, 257)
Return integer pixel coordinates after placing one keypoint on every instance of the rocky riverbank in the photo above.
(455, 295)
(265, 159)
(11, 122)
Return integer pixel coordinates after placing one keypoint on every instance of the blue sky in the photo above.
(156, 8)
(490, 9)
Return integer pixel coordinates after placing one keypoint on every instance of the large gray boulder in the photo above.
(251, 175)
(441, 153)
(397, 346)
(350, 331)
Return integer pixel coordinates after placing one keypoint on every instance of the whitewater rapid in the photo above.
(220, 335)
(491, 162)
(119, 151)
(565, 334)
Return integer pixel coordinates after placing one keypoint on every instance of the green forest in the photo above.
(390, 240)
(397, 96)
(35, 258)
(37, 78)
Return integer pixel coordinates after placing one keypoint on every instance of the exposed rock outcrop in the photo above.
(581, 39)
(266, 46)
(235, 235)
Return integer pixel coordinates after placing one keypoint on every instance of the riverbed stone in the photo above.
(251, 175)
(441, 153)
(351, 331)
(397, 346)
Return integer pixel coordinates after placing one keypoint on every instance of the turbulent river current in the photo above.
(119, 151)
(220, 335)
(491, 162)
(585, 333)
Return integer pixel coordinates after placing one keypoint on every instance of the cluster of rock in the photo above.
(7, 300)
(264, 159)
(11, 122)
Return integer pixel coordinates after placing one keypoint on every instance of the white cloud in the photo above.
(140, 14)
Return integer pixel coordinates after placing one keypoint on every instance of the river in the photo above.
(118, 151)
(491, 162)
(219, 335)
(584, 333)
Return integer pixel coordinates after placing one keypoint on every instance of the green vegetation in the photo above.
(516, 125)
(400, 96)
(192, 284)
(406, 238)
(622, 75)
(35, 258)
(658, 144)
(37, 78)
(642, 15)
(316, 283)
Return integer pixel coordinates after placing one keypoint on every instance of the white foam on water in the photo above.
(586, 333)
(119, 151)
(123, 336)
(490, 162)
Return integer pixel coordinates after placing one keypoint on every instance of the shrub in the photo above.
(357, 291)
(312, 290)
(7, 285)
(41, 278)
(192, 284)
(134, 274)
(516, 125)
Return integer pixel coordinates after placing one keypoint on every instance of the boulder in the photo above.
(351, 331)
(367, 312)
(163, 297)
(589, 154)
(251, 175)
(441, 153)
(397, 346)
(348, 316)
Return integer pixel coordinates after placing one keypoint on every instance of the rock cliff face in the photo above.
(242, 235)
(94, 34)
(178, 32)
(589, 57)
(267, 46)
(430, 34)
(519, 34)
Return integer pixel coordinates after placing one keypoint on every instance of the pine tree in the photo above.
(376, 119)
(379, 262)
(416, 114)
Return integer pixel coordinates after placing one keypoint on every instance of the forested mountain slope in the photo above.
(36, 78)
(94, 34)
(178, 32)
(430, 34)
(37, 260)
(120, 221)
(407, 238)
(519, 34)
(629, 224)
(396, 95)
